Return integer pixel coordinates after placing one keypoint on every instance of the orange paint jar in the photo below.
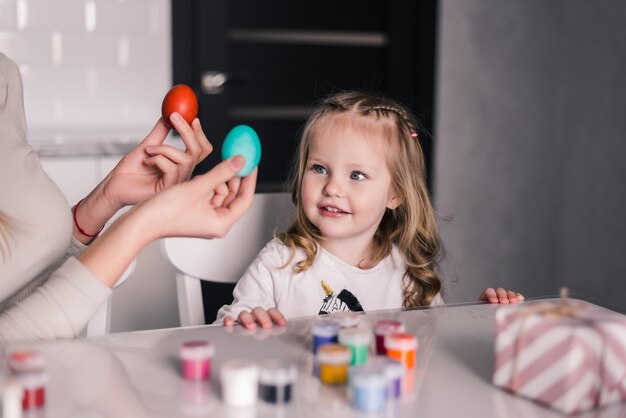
(402, 347)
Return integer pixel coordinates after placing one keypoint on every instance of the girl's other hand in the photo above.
(264, 318)
(500, 295)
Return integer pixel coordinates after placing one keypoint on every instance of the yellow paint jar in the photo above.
(333, 360)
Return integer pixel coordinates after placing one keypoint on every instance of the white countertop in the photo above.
(137, 374)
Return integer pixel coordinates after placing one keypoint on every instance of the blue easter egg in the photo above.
(243, 140)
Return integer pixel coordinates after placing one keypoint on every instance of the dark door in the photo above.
(264, 63)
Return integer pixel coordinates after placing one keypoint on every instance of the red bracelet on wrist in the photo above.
(82, 231)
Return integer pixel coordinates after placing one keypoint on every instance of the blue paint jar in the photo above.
(324, 331)
(367, 388)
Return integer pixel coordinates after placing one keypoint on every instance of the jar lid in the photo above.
(197, 350)
(367, 376)
(400, 341)
(346, 318)
(354, 336)
(278, 372)
(325, 327)
(388, 326)
(333, 354)
(238, 371)
(25, 361)
(392, 369)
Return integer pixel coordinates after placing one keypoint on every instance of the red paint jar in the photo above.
(34, 385)
(383, 328)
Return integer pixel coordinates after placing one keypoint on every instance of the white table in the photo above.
(137, 374)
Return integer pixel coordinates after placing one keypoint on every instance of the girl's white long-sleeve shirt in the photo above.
(267, 284)
(44, 291)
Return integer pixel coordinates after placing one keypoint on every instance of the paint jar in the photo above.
(26, 361)
(346, 319)
(402, 347)
(385, 327)
(276, 381)
(357, 340)
(34, 386)
(12, 395)
(324, 331)
(368, 388)
(332, 360)
(393, 371)
(195, 357)
(239, 380)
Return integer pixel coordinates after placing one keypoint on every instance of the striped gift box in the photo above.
(568, 355)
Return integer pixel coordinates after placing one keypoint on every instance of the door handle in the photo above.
(213, 82)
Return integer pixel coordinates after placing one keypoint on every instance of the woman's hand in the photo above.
(264, 318)
(146, 170)
(191, 209)
(500, 295)
(152, 167)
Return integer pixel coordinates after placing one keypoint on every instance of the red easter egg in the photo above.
(181, 99)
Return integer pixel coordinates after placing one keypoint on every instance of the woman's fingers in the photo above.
(205, 145)
(196, 142)
(157, 135)
(184, 160)
(233, 188)
(168, 169)
(221, 193)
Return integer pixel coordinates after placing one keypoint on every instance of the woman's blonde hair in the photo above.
(411, 226)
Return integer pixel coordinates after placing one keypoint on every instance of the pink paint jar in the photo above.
(383, 328)
(196, 357)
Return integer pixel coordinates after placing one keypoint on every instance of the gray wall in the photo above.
(530, 158)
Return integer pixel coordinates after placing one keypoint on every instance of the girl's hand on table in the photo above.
(264, 318)
(500, 295)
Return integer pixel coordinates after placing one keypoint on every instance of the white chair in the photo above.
(225, 259)
(100, 323)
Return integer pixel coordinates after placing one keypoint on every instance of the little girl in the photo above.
(364, 235)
